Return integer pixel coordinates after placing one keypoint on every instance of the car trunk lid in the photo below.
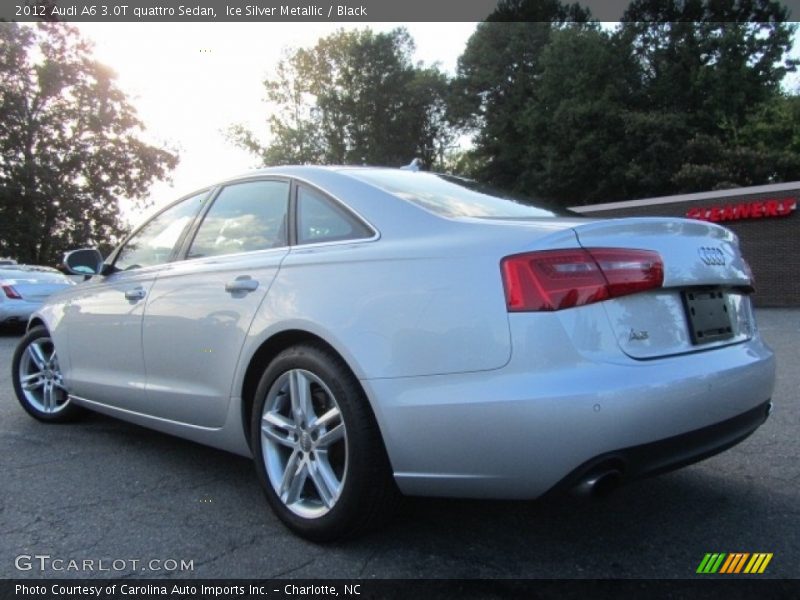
(36, 287)
(703, 302)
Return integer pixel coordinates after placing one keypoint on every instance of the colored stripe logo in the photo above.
(734, 563)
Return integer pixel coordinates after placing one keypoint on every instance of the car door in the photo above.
(200, 308)
(104, 315)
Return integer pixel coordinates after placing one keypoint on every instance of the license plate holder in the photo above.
(708, 314)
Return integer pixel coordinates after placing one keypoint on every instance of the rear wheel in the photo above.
(37, 378)
(317, 448)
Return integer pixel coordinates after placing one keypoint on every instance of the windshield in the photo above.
(452, 196)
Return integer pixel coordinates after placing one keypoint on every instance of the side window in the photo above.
(153, 243)
(244, 217)
(319, 219)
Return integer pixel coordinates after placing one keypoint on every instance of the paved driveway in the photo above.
(106, 490)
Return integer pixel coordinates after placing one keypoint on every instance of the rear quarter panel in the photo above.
(393, 309)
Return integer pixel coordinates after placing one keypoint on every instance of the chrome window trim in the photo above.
(341, 205)
(177, 249)
(186, 246)
(225, 256)
(327, 194)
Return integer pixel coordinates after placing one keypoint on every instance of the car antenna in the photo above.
(415, 165)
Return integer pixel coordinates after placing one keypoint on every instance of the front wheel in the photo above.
(317, 448)
(37, 379)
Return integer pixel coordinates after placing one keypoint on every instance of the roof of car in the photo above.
(28, 268)
(310, 170)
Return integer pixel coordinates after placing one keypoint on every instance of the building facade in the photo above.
(764, 217)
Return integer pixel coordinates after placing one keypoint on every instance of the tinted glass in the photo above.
(452, 196)
(153, 244)
(320, 219)
(244, 217)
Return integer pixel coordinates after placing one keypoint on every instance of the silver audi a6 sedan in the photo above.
(361, 332)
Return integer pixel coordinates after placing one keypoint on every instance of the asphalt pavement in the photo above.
(132, 501)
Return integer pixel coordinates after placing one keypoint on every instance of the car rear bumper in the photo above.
(668, 454)
(17, 311)
(520, 431)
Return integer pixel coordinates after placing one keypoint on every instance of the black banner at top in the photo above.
(245, 11)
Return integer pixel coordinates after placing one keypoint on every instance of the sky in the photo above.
(190, 82)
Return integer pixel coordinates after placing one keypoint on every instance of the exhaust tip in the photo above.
(599, 484)
(606, 484)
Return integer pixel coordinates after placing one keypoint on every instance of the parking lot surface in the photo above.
(104, 490)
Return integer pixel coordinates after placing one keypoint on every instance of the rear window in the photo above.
(452, 196)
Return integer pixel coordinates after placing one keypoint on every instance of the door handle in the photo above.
(135, 294)
(243, 283)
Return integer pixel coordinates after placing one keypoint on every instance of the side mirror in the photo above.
(86, 261)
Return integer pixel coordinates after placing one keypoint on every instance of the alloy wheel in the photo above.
(304, 443)
(40, 377)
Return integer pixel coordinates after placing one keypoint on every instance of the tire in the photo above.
(319, 454)
(37, 379)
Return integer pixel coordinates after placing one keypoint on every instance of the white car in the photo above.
(23, 288)
(362, 331)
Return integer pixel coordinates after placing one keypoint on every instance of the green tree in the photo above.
(355, 97)
(497, 79)
(586, 138)
(69, 145)
(709, 74)
(294, 121)
(713, 61)
(763, 149)
(571, 129)
(683, 96)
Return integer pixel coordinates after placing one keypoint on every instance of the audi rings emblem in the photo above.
(711, 255)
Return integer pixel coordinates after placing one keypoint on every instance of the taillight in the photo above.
(556, 279)
(10, 292)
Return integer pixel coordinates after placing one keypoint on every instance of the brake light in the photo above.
(557, 279)
(11, 293)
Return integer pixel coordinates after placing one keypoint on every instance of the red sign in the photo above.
(746, 210)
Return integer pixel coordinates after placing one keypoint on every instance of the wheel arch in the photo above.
(35, 321)
(267, 351)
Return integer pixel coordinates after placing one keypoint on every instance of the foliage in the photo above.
(497, 76)
(355, 97)
(714, 70)
(70, 145)
(573, 127)
(683, 96)
(764, 148)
